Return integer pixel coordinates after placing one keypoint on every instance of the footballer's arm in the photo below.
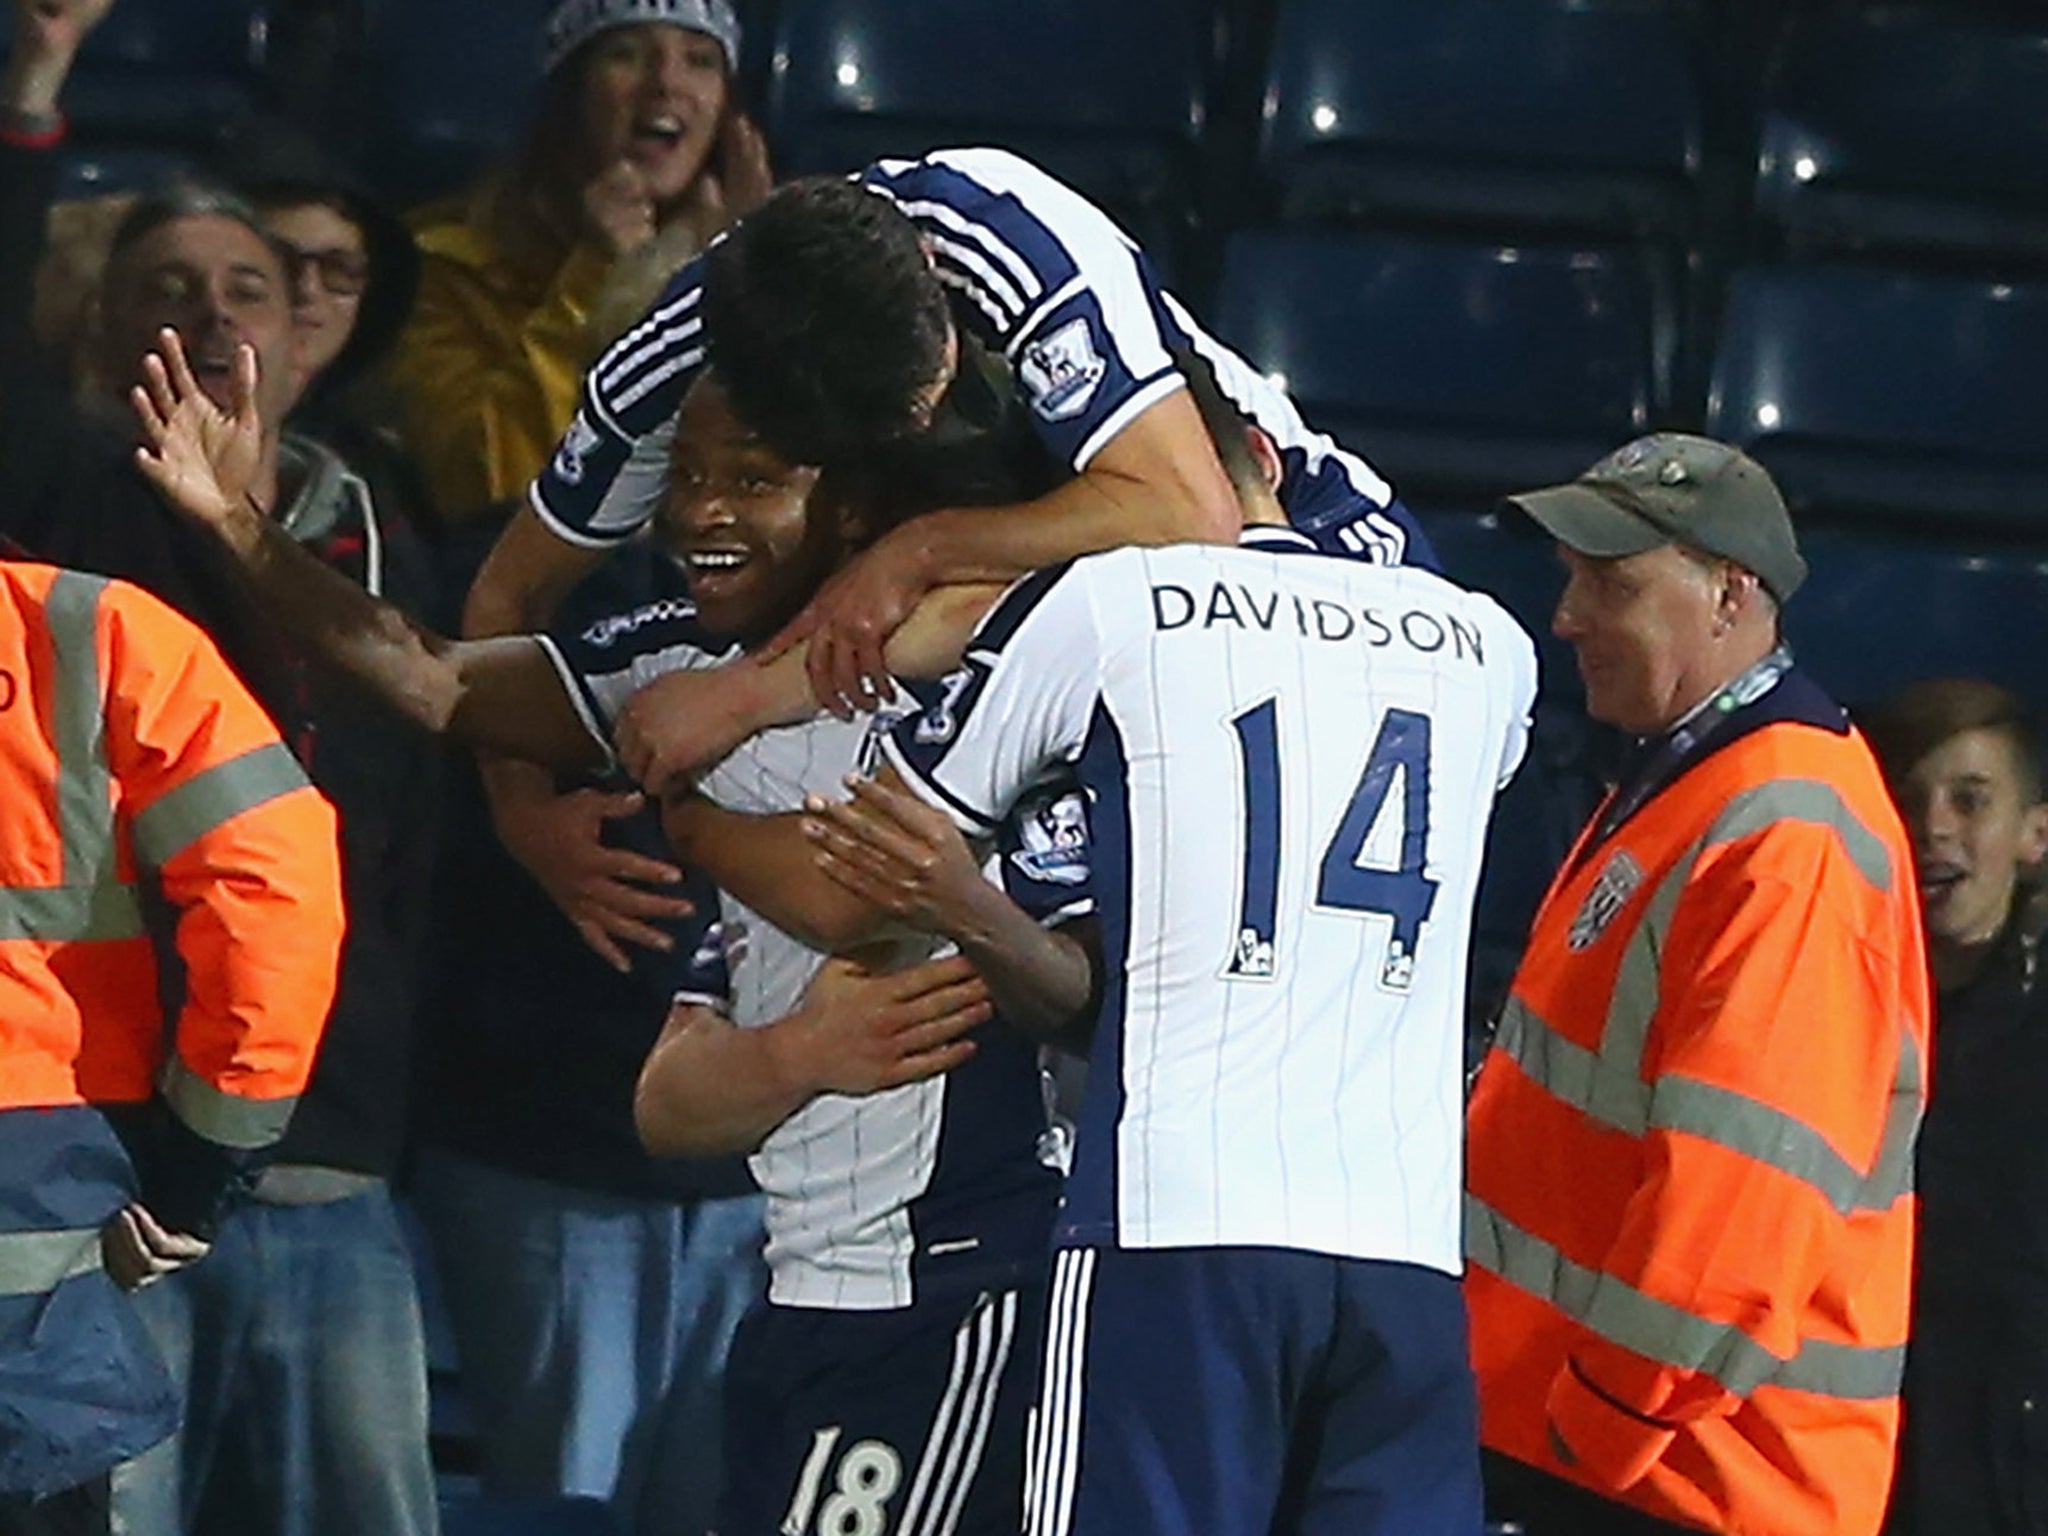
(501, 694)
(845, 877)
(684, 722)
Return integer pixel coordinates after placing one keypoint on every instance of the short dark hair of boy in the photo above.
(1919, 718)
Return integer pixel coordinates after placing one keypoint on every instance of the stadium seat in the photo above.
(476, 1516)
(167, 73)
(1881, 609)
(1108, 97)
(1461, 370)
(1899, 132)
(1505, 555)
(455, 85)
(1503, 114)
(1876, 395)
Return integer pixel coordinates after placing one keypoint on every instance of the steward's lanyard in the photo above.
(1659, 764)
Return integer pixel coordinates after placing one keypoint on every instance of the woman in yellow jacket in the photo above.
(637, 156)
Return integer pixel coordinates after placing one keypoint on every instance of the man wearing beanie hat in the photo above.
(1689, 1211)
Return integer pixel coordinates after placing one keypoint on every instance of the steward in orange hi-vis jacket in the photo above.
(1689, 1211)
(138, 777)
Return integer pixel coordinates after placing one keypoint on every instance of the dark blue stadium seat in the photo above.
(467, 1516)
(456, 83)
(1881, 609)
(1875, 395)
(167, 72)
(1108, 97)
(1462, 370)
(1510, 114)
(1898, 132)
(1504, 554)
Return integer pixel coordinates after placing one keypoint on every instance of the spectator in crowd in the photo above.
(356, 275)
(1964, 761)
(1689, 1221)
(133, 754)
(296, 1391)
(637, 155)
(71, 272)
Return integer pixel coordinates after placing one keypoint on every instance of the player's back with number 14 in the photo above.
(1255, 1323)
(1285, 982)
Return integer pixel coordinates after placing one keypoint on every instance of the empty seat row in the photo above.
(1468, 369)
(1912, 130)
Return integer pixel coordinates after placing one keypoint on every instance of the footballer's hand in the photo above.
(202, 456)
(849, 622)
(683, 723)
(859, 1032)
(897, 854)
(138, 1250)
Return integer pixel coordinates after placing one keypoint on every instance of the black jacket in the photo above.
(1975, 1452)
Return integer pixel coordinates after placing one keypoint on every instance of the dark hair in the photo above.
(1916, 720)
(275, 165)
(825, 319)
(185, 199)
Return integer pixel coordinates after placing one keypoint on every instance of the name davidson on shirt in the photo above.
(1313, 618)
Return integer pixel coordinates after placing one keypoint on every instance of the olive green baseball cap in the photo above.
(1673, 488)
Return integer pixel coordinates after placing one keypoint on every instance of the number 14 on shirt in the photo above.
(1403, 894)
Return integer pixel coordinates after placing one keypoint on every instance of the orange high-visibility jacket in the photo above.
(1689, 1218)
(127, 746)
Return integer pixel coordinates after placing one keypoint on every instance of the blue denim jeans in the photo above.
(592, 1333)
(297, 1341)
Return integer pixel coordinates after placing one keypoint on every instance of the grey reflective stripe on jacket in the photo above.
(209, 800)
(1657, 1330)
(222, 1118)
(36, 1263)
(91, 901)
(1596, 1086)
(1638, 980)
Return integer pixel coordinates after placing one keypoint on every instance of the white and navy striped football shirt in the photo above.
(1291, 762)
(1042, 276)
(876, 1201)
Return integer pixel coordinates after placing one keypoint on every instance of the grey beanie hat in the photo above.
(576, 22)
